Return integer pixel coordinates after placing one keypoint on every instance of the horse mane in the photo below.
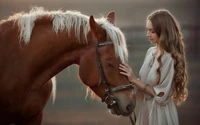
(91, 94)
(66, 21)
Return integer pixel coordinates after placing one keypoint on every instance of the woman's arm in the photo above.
(127, 71)
(143, 87)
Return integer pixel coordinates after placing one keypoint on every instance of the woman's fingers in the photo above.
(123, 73)
(124, 68)
(126, 65)
(126, 72)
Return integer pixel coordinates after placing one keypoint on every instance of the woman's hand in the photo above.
(127, 71)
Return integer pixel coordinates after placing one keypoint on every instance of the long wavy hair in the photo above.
(171, 40)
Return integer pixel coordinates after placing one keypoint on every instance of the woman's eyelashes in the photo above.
(150, 30)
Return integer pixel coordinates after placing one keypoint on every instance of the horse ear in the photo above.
(95, 28)
(111, 17)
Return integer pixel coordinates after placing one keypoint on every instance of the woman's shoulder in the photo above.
(151, 48)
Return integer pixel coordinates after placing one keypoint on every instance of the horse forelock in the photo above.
(67, 20)
(117, 37)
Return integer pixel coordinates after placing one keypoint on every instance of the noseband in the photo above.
(108, 98)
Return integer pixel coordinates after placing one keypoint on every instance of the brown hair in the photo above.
(171, 40)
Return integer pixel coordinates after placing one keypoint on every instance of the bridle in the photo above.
(108, 97)
(108, 90)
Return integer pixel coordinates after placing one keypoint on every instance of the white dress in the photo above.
(158, 110)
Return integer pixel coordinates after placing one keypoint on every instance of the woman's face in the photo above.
(151, 34)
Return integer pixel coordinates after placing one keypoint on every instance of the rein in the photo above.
(108, 97)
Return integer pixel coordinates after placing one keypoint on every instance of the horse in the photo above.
(37, 45)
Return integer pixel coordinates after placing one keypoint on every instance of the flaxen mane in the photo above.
(67, 20)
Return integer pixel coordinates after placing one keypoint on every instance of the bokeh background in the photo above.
(71, 106)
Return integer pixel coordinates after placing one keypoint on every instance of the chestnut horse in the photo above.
(35, 46)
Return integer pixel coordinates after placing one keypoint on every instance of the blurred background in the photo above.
(71, 107)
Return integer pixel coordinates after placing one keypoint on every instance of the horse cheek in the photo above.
(88, 73)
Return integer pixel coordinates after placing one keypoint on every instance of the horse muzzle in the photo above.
(114, 105)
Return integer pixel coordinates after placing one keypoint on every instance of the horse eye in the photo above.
(109, 65)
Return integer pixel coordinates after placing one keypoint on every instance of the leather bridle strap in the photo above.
(129, 86)
(100, 67)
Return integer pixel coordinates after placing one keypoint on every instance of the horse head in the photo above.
(99, 66)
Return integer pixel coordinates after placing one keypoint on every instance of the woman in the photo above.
(163, 75)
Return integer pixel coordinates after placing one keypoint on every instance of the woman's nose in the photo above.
(148, 34)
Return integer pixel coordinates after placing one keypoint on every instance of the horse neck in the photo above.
(60, 51)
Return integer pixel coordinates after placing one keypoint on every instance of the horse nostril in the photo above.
(130, 108)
